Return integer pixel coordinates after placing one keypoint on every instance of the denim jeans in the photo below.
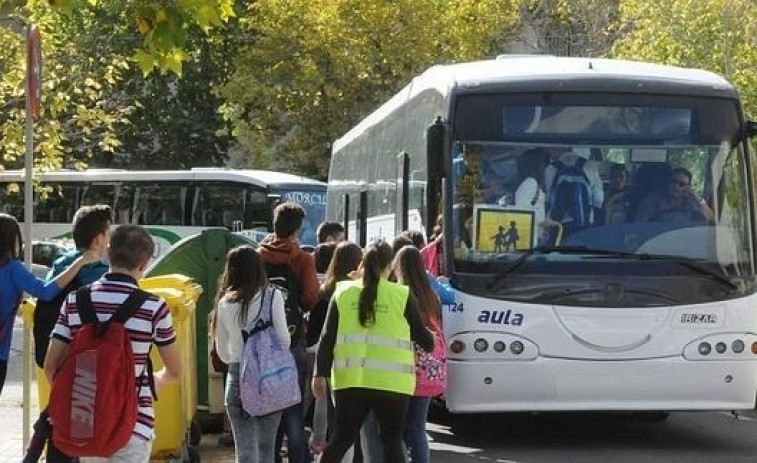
(415, 430)
(293, 418)
(254, 436)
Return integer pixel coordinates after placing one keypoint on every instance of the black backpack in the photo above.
(283, 278)
(570, 195)
(46, 316)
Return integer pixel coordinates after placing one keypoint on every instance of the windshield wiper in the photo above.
(684, 262)
(494, 285)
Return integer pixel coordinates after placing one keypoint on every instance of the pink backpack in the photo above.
(431, 367)
(268, 379)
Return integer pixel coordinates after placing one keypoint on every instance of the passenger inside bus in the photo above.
(616, 207)
(678, 202)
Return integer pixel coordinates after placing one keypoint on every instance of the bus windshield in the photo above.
(589, 179)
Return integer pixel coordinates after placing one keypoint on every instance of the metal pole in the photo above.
(28, 217)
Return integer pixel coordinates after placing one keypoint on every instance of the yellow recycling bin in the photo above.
(177, 402)
(175, 432)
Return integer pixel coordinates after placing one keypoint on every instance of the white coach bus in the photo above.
(598, 228)
(171, 204)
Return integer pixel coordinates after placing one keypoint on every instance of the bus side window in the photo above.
(12, 200)
(99, 193)
(218, 204)
(161, 205)
(255, 210)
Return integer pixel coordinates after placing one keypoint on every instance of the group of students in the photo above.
(368, 350)
(76, 367)
(377, 352)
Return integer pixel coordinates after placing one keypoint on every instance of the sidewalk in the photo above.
(12, 400)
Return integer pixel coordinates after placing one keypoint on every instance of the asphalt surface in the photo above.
(690, 437)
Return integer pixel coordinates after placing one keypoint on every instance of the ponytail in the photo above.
(377, 257)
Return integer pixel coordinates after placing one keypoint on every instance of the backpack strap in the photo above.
(130, 306)
(84, 306)
(260, 323)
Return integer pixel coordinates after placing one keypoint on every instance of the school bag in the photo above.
(93, 402)
(46, 316)
(283, 278)
(268, 374)
(431, 367)
(570, 196)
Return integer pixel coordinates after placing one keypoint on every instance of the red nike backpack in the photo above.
(93, 403)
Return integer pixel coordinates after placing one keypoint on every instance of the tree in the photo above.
(570, 27)
(718, 35)
(162, 26)
(316, 67)
(175, 123)
(80, 114)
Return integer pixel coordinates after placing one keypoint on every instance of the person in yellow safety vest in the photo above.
(367, 346)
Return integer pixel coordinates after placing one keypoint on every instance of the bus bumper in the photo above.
(547, 384)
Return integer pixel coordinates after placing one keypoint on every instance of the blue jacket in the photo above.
(87, 275)
(15, 279)
(445, 292)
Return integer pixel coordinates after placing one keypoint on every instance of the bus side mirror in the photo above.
(436, 150)
(273, 200)
(751, 129)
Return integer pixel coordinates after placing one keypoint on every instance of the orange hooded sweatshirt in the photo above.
(278, 251)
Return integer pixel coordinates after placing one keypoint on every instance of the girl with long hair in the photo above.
(367, 346)
(239, 301)
(15, 279)
(409, 270)
(346, 259)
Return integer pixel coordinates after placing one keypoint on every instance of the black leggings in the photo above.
(3, 374)
(352, 405)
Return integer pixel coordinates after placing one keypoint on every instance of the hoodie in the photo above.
(279, 251)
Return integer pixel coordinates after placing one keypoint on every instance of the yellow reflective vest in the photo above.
(379, 356)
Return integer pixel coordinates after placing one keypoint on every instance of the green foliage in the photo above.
(175, 123)
(718, 35)
(162, 25)
(78, 119)
(319, 66)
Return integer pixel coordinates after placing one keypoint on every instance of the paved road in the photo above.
(711, 437)
(585, 438)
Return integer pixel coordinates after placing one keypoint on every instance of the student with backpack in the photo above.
(249, 308)
(15, 279)
(91, 231)
(97, 361)
(364, 318)
(430, 368)
(292, 271)
(574, 190)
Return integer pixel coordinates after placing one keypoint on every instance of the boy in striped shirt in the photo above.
(129, 253)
